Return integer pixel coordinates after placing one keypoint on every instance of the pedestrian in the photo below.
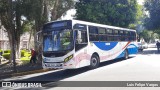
(158, 45)
(33, 57)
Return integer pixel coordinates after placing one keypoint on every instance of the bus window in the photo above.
(130, 36)
(93, 33)
(122, 33)
(81, 39)
(102, 34)
(81, 36)
(134, 36)
(110, 35)
(116, 36)
(126, 36)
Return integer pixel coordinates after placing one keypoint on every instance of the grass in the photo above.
(25, 59)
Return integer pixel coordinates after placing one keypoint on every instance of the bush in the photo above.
(22, 53)
(26, 58)
(6, 56)
(27, 54)
(1, 52)
(7, 51)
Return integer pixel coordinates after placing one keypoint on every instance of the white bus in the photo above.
(69, 44)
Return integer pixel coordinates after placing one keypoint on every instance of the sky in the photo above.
(140, 2)
(70, 13)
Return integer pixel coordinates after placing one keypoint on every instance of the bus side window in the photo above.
(126, 36)
(116, 36)
(81, 39)
(81, 36)
(93, 33)
(102, 34)
(134, 36)
(109, 34)
(121, 35)
(130, 36)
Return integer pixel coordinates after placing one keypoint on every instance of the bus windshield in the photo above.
(58, 40)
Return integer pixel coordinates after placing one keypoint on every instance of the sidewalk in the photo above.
(6, 69)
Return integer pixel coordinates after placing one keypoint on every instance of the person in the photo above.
(33, 57)
(158, 45)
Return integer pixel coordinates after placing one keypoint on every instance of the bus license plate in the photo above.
(54, 64)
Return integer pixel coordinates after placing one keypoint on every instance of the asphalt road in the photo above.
(145, 66)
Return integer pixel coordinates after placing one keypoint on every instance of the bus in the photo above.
(70, 44)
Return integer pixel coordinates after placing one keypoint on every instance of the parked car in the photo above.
(145, 45)
(140, 46)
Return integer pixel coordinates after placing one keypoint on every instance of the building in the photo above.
(4, 41)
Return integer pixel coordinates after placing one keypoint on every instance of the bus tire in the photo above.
(126, 55)
(94, 63)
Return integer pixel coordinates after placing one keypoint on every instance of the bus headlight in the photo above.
(68, 58)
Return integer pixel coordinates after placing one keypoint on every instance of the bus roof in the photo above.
(93, 24)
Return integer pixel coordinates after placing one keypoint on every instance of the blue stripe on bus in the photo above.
(103, 46)
(133, 50)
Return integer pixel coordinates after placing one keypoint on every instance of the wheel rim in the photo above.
(94, 61)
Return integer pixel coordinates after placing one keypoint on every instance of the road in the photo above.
(145, 66)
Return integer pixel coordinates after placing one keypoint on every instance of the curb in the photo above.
(24, 73)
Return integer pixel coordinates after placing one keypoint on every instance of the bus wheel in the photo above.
(94, 63)
(126, 56)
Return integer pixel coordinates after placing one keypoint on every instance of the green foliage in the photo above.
(25, 53)
(6, 56)
(7, 51)
(25, 56)
(153, 20)
(148, 35)
(112, 12)
(22, 53)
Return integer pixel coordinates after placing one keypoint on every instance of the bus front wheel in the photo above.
(94, 63)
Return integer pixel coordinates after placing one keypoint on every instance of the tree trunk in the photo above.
(18, 54)
(29, 40)
(54, 10)
(10, 43)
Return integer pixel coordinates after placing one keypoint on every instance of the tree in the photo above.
(112, 12)
(7, 20)
(39, 12)
(59, 8)
(153, 19)
(148, 36)
(17, 23)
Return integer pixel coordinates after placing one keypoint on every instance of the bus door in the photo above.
(81, 42)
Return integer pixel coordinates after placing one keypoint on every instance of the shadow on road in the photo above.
(63, 74)
(56, 76)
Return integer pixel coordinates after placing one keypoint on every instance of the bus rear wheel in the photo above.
(126, 55)
(94, 63)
